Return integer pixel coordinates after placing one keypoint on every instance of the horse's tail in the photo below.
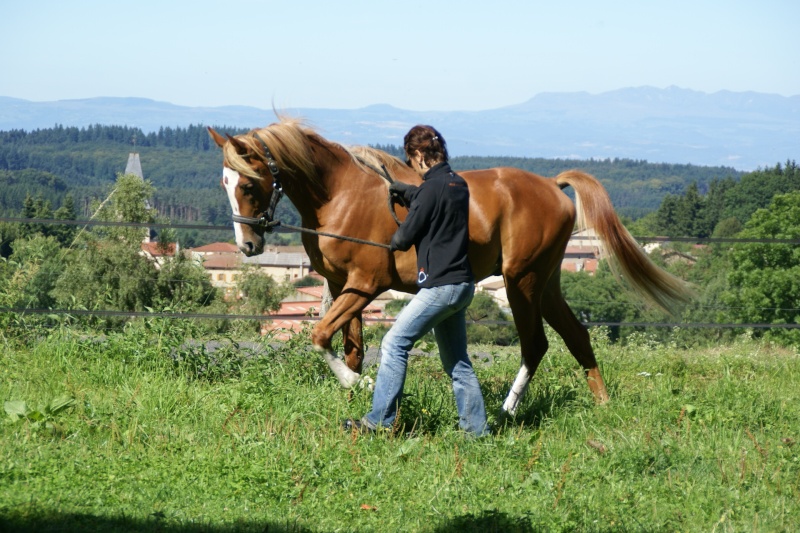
(626, 257)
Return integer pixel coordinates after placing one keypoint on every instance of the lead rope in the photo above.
(277, 223)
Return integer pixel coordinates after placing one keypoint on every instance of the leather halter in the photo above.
(267, 219)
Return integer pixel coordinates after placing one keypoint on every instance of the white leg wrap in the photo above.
(347, 378)
(517, 391)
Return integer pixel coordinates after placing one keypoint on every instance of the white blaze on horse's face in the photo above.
(230, 180)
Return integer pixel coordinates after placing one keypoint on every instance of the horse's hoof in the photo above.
(348, 381)
(347, 378)
(505, 414)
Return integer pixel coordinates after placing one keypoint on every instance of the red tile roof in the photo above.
(315, 291)
(154, 249)
(226, 261)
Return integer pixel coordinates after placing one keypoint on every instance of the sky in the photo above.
(416, 55)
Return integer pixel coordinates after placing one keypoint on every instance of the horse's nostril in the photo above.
(249, 246)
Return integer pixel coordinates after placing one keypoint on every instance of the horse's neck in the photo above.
(337, 176)
(306, 199)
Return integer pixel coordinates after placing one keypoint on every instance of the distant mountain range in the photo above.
(743, 130)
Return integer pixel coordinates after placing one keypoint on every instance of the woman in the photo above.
(437, 226)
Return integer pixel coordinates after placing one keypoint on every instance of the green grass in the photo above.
(116, 436)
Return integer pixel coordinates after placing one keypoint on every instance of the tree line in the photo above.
(725, 207)
(192, 137)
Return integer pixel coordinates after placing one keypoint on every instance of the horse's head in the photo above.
(250, 184)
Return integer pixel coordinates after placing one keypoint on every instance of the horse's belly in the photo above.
(485, 260)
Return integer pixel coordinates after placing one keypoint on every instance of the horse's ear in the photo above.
(241, 148)
(218, 139)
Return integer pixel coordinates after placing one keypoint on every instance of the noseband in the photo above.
(267, 219)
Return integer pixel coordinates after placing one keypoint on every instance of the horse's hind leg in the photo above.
(353, 336)
(575, 335)
(525, 304)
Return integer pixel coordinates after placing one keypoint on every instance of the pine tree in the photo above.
(64, 233)
(688, 209)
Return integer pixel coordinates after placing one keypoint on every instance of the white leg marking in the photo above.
(347, 378)
(517, 391)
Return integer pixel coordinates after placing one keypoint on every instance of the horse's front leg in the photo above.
(345, 311)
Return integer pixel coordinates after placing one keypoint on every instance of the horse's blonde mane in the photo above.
(368, 157)
(288, 141)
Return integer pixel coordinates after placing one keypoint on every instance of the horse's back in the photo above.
(518, 217)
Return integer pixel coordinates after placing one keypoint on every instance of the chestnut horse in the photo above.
(519, 225)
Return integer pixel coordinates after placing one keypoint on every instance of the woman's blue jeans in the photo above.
(443, 309)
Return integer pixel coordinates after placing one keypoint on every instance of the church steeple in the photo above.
(134, 165)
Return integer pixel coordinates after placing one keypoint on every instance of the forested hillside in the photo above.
(723, 208)
(180, 162)
(86, 161)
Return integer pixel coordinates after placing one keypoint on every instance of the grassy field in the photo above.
(140, 432)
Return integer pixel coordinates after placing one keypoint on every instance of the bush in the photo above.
(484, 308)
(308, 281)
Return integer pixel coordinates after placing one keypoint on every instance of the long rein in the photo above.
(267, 221)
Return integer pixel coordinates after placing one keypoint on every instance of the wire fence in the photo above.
(367, 318)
